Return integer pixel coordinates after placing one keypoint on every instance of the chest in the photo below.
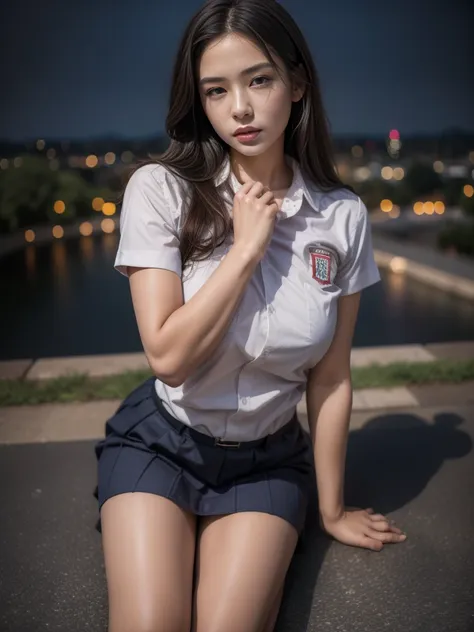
(289, 307)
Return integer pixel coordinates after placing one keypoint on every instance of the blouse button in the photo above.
(244, 400)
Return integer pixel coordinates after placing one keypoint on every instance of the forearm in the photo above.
(191, 334)
(329, 409)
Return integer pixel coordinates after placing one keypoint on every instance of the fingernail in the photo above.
(404, 535)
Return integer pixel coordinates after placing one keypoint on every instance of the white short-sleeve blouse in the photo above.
(321, 249)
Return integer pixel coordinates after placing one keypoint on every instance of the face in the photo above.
(239, 88)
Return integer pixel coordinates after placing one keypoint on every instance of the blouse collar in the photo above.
(294, 197)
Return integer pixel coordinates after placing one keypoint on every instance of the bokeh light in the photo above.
(109, 208)
(395, 212)
(361, 174)
(59, 207)
(398, 265)
(92, 161)
(98, 203)
(86, 229)
(387, 173)
(58, 232)
(107, 225)
(418, 208)
(428, 208)
(386, 206)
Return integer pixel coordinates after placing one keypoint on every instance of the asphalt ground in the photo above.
(415, 466)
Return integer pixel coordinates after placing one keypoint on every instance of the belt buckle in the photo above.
(226, 444)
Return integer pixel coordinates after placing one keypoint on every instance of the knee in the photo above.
(155, 622)
(223, 624)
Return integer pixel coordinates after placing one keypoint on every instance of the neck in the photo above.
(269, 168)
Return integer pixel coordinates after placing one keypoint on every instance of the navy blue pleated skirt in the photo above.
(146, 449)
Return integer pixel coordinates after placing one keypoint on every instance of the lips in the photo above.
(246, 131)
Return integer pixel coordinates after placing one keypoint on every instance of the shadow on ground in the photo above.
(390, 461)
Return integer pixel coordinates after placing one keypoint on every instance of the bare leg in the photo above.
(149, 545)
(272, 619)
(242, 561)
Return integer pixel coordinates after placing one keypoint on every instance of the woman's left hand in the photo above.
(363, 528)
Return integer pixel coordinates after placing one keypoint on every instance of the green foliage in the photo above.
(453, 190)
(26, 193)
(72, 388)
(82, 388)
(467, 204)
(373, 191)
(460, 237)
(402, 195)
(421, 179)
(71, 189)
(406, 373)
(77, 194)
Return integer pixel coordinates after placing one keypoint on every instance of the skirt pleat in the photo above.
(143, 452)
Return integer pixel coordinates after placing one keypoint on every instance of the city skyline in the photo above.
(84, 71)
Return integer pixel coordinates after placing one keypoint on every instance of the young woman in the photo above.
(246, 256)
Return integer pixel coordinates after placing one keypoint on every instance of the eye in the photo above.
(261, 81)
(213, 92)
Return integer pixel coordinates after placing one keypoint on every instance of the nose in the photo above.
(241, 106)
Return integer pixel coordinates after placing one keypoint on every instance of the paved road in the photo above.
(417, 466)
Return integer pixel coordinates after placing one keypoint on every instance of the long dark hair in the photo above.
(196, 153)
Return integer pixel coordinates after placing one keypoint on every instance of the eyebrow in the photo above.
(248, 71)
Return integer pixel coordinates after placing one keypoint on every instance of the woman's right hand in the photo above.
(254, 213)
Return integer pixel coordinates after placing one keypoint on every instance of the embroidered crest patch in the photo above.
(321, 265)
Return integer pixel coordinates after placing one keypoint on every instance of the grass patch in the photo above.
(82, 388)
(71, 388)
(412, 373)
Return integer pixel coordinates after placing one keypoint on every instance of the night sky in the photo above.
(85, 68)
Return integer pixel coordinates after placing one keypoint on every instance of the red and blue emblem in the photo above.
(321, 265)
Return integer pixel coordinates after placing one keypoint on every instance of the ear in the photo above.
(298, 84)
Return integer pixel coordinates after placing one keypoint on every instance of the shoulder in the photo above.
(344, 207)
(159, 184)
(155, 174)
(341, 200)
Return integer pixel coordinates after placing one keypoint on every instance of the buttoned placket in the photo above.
(244, 386)
(290, 207)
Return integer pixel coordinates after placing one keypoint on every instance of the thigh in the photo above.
(149, 545)
(242, 560)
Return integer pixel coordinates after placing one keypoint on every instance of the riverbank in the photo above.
(118, 363)
(454, 275)
(381, 375)
(375, 378)
(10, 244)
(450, 274)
